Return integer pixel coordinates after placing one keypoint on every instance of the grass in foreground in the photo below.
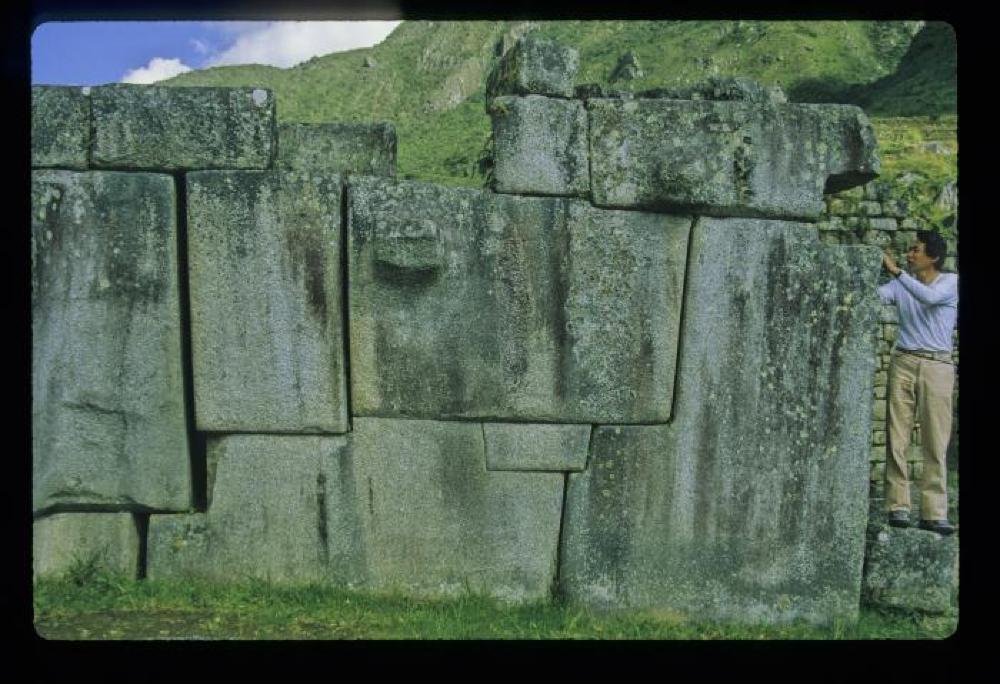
(105, 607)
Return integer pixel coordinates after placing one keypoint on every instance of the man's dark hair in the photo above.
(934, 245)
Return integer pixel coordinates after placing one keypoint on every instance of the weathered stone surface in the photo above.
(266, 318)
(726, 158)
(179, 128)
(466, 304)
(60, 127)
(536, 446)
(540, 146)
(106, 541)
(911, 569)
(751, 504)
(283, 509)
(721, 88)
(396, 505)
(534, 67)
(437, 522)
(368, 149)
(108, 421)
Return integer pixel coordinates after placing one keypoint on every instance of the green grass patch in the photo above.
(105, 607)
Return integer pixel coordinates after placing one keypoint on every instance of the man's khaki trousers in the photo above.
(919, 386)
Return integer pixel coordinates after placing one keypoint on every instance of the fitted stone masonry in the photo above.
(628, 374)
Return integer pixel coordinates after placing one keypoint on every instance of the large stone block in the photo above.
(751, 504)
(60, 127)
(368, 149)
(266, 318)
(466, 304)
(180, 128)
(283, 509)
(911, 569)
(728, 158)
(534, 67)
(536, 446)
(540, 146)
(107, 542)
(437, 522)
(398, 505)
(108, 408)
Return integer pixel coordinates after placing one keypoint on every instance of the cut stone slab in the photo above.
(727, 158)
(342, 148)
(911, 569)
(266, 318)
(283, 509)
(751, 505)
(397, 505)
(467, 304)
(536, 446)
(108, 408)
(438, 523)
(60, 127)
(109, 542)
(534, 67)
(540, 146)
(181, 128)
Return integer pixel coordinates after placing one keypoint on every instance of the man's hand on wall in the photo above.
(890, 263)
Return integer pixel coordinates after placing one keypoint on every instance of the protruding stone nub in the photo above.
(856, 159)
(534, 67)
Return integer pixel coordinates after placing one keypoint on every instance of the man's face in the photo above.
(917, 259)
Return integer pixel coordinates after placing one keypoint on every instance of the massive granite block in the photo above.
(466, 304)
(534, 67)
(398, 505)
(60, 127)
(266, 319)
(438, 523)
(108, 411)
(728, 158)
(911, 570)
(107, 542)
(283, 509)
(536, 446)
(540, 146)
(368, 149)
(180, 128)
(751, 504)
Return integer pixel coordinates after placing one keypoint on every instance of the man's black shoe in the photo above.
(942, 527)
(899, 518)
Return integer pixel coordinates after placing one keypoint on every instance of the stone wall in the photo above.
(627, 374)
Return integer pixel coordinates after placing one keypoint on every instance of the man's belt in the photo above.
(943, 357)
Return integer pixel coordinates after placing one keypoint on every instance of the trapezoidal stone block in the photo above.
(540, 146)
(534, 67)
(283, 509)
(108, 407)
(536, 446)
(266, 318)
(467, 304)
(60, 127)
(911, 570)
(438, 523)
(182, 128)
(727, 158)
(751, 505)
(342, 148)
(105, 541)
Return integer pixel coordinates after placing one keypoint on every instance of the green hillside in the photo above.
(427, 78)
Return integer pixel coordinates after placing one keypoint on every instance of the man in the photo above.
(921, 378)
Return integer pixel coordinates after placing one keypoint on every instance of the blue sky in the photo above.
(97, 52)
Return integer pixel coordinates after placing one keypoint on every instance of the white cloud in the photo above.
(157, 70)
(286, 43)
